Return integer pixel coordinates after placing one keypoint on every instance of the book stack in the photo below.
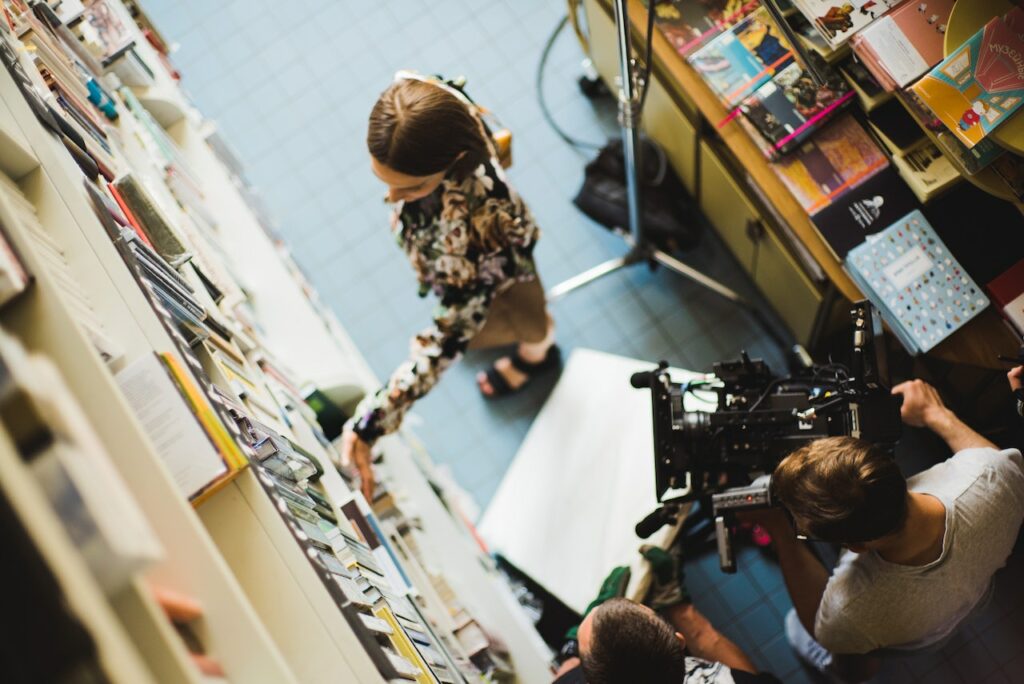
(21, 213)
(837, 22)
(908, 41)
(751, 68)
(909, 275)
(980, 84)
(688, 25)
(55, 438)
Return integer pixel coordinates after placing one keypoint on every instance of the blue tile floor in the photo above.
(291, 85)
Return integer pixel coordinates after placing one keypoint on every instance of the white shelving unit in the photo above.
(267, 616)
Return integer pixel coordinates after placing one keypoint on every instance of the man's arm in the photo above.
(923, 407)
(803, 573)
(706, 642)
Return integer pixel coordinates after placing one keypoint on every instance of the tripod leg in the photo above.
(693, 274)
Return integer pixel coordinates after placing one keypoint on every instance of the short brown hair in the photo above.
(419, 129)
(630, 643)
(842, 489)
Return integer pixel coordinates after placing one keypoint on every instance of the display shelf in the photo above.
(118, 654)
(283, 587)
(44, 323)
(15, 157)
(162, 104)
(966, 19)
(978, 343)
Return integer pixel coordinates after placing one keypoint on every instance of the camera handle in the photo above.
(724, 505)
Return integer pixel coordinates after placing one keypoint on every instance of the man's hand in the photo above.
(356, 452)
(922, 405)
(1014, 376)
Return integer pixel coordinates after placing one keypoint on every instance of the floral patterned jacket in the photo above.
(468, 241)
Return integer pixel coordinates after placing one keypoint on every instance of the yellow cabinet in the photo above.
(754, 244)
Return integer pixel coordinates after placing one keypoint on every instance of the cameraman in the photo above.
(920, 553)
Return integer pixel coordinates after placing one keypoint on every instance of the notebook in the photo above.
(920, 288)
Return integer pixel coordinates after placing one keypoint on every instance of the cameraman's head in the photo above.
(621, 641)
(843, 490)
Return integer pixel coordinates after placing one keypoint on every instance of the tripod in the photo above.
(641, 249)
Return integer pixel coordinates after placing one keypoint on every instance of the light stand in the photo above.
(641, 250)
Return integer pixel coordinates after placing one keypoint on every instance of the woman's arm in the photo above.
(459, 318)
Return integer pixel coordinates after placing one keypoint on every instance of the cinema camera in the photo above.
(724, 458)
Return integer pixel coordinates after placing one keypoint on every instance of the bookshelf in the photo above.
(266, 613)
(784, 229)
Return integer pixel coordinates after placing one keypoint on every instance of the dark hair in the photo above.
(630, 644)
(419, 129)
(843, 490)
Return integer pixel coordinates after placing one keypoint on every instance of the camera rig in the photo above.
(714, 456)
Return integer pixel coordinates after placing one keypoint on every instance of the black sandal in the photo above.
(500, 385)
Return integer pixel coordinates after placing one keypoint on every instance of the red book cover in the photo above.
(1008, 286)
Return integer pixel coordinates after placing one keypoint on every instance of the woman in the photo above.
(470, 239)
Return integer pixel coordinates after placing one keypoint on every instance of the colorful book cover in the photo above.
(840, 157)
(927, 295)
(789, 107)
(906, 42)
(838, 20)
(864, 210)
(970, 159)
(979, 85)
(735, 63)
(687, 24)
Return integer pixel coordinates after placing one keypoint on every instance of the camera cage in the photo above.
(760, 418)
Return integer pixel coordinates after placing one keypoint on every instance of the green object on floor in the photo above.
(613, 586)
(669, 585)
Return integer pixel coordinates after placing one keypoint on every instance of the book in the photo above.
(926, 170)
(54, 436)
(739, 60)
(688, 24)
(905, 43)
(139, 205)
(921, 290)
(868, 208)
(841, 156)
(182, 440)
(970, 160)
(838, 20)
(979, 85)
(1007, 291)
(789, 107)
(1010, 169)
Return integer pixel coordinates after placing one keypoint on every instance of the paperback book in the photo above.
(789, 107)
(1007, 292)
(688, 24)
(839, 20)
(864, 210)
(971, 160)
(841, 156)
(980, 84)
(922, 291)
(905, 43)
(738, 61)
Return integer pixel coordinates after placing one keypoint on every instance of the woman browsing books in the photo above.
(470, 239)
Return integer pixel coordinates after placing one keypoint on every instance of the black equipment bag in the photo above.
(668, 215)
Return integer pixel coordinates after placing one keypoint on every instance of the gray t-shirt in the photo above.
(870, 603)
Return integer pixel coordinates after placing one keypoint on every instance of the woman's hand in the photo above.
(1016, 378)
(922, 405)
(354, 451)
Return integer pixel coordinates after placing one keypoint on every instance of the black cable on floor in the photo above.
(539, 84)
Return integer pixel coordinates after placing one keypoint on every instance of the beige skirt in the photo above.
(519, 314)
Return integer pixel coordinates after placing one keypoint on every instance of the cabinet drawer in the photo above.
(726, 206)
(758, 249)
(785, 286)
(668, 126)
